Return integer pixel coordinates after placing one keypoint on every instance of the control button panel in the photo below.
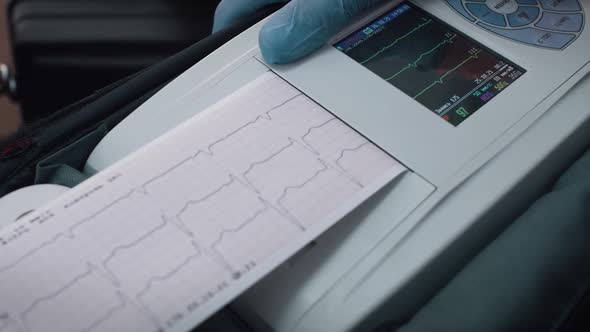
(550, 24)
(534, 37)
(561, 5)
(525, 16)
(484, 13)
(458, 6)
(561, 22)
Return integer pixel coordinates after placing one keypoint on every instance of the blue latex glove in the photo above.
(299, 28)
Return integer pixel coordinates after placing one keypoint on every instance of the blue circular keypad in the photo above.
(552, 24)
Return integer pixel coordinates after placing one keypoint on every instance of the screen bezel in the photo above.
(408, 131)
(440, 22)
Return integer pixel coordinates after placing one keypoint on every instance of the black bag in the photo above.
(65, 49)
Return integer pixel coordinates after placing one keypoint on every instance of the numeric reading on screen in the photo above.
(442, 69)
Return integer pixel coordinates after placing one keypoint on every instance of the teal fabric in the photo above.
(66, 166)
(531, 277)
(63, 175)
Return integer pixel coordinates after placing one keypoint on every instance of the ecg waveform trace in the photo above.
(430, 61)
(414, 63)
(448, 72)
(150, 244)
(385, 48)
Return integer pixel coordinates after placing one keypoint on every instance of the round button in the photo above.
(485, 14)
(502, 6)
(523, 16)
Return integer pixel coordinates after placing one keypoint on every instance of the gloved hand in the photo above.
(299, 28)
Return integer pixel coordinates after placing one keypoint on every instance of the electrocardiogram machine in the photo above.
(470, 107)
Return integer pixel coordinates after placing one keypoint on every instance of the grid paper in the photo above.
(166, 237)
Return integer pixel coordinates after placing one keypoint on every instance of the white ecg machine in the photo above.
(446, 118)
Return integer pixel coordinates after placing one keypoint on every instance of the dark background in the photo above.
(9, 112)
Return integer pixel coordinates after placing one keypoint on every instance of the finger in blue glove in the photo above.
(303, 26)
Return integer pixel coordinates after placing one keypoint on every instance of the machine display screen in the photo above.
(436, 65)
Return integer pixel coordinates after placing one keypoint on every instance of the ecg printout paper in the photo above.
(171, 234)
